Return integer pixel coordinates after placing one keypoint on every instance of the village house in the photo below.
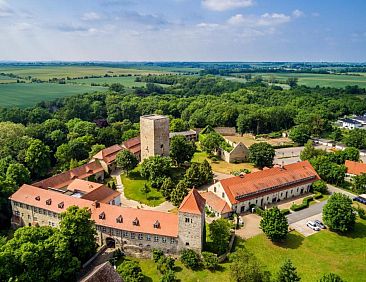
(261, 188)
(350, 123)
(353, 169)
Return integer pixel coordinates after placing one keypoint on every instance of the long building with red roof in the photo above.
(264, 187)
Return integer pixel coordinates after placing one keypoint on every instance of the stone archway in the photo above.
(110, 242)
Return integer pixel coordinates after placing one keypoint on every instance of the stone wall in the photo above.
(191, 231)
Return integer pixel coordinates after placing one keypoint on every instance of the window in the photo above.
(187, 220)
(140, 236)
(187, 243)
(164, 239)
(133, 235)
(223, 195)
(215, 189)
(118, 233)
(17, 213)
(49, 213)
(172, 241)
(156, 238)
(136, 221)
(104, 229)
(157, 224)
(148, 237)
(34, 218)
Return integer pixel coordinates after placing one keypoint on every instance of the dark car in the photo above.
(360, 200)
(319, 224)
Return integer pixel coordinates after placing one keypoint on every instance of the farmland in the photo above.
(28, 94)
(323, 80)
(127, 81)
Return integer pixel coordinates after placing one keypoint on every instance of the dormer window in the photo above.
(119, 219)
(102, 215)
(157, 224)
(48, 202)
(136, 222)
(61, 205)
(38, 198)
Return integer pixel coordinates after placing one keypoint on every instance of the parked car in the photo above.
(312, 225)
(319, 224)
(360, 200)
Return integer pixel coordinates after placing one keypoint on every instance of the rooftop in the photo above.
(349, 120)
(355, 168)
(108, 154)
(256, 182)
(154, 117)
(184, 133)
(193, 203)
(216, 202)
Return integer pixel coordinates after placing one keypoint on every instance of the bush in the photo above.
(210, 260)
(130, 271)
(274, 224)
(318, 195)
(361, 212)
(285, 211)
(305, 204)
(259, 211)
(190, 259)
(157, 255)
(320, 186)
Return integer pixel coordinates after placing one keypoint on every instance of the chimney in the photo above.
(282, 165)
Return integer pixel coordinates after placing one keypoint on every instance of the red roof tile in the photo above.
(63, 179)
(355, 167)
(216, 203)
(133, 145)
(102, 194)
(83, 186)
(267, 179)
(108, 154)
(193, 203)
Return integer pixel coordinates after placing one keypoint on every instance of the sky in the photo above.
(183, 30)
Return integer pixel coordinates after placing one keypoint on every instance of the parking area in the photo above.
(251, 226)
(300, 226)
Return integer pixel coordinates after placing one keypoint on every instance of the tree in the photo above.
(210, 260)
(274, 224)
(329, 171)
(331, 277)
(177, 125)
(336, 134)
(359, 183)
(18, 173)
(220, 235)
(261, 154)
(211, 142)
(126, 160)
(130, 271)
(179, 192)
(95, 149)
(193, 176)
(117, 87)
(190, 259)
(338, 213)
(157, 255)
(156, 166)
(167, 187)
(206, 172)
(288, 273)
(300, 134)
(356, 138)
(181, 150)
(168, 276)
(145, 189)
(292, 81)
(246, 268)
(320, 186)
(351, 153)
(37, 158)
(78, 228)
(310, 151)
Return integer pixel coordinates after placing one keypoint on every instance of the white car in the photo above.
(312, 225)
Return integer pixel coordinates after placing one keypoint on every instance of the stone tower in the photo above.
(154, 134)
(191, 222)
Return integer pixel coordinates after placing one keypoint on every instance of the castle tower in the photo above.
(154, 134)
(191, 220)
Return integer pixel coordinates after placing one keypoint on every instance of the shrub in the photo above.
(318, 195)
(305, 204)
(130, 271)
(259, 211)
(210, 260)
(320, 186)
(190, 259)
(274, 224)
(361, 212)
(285, 211)
(157, 254)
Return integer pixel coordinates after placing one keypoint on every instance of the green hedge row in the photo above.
(259, 211)
(305, 204)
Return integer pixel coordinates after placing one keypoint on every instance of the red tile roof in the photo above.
(102, 194)
(133, 145)
(355, 168)
(83, 186)
(268, 179)
(216, 203)
(63, 179)
(108, 154)
(59, 202)
(193, 203)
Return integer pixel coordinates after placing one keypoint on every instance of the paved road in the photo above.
(332, 189)
(305, 213)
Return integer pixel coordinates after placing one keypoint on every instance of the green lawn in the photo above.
(313, 256)
(28, 94)
(132, 189)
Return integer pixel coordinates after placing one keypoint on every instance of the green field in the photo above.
(47, 72)
(6, 79)
(127, 81)
(313, 256)
(323, 80)
(28, 94)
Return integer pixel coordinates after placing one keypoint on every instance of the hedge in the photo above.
(305, 204)
(285, 211)
(318, 195)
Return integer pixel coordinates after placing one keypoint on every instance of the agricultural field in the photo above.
(6, 79)
(49, 72)
(323, 80)
(29, 94)
(127, 81)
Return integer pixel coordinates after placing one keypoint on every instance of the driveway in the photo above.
(251, 226)
(306, 213)
(332, 189)
(300, 226)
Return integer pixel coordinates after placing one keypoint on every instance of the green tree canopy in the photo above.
(126, 160)
(130, 271)
(274, 224)
(190, 258)
(155, 167)
(177, 125)
(211, 142)
(181, 150)
(287, 273)
(300, 134)
(18, 173)
(220, 234)
(338, 213)
(331, 277)
(261, 154)
(179, 192)
(37, 158)
(310, 151)
(359, 183)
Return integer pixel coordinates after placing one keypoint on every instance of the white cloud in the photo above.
(208, 25)
(297, 13)
(222, 5)
(91, 16)
(265, 20)
(5, 10)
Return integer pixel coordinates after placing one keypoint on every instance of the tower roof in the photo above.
(193, 203)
